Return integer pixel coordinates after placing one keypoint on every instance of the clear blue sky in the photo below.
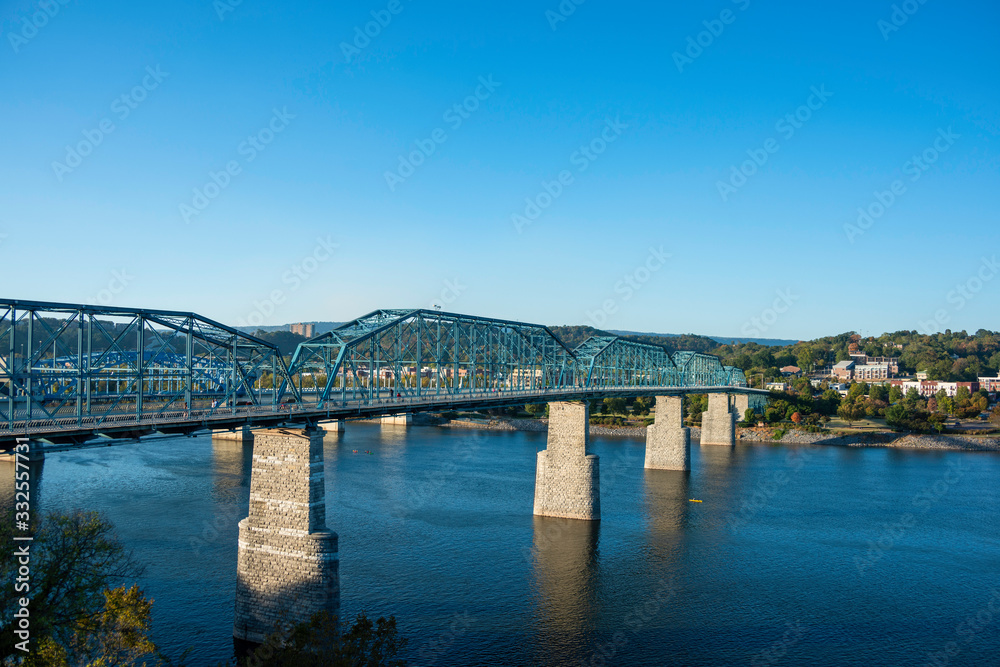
(111, 228)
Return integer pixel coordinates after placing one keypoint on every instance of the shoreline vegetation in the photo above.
(837, 437)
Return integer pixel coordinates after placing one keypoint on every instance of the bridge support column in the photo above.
(718, 424)
(287, 565)
(668, 441)
(333, 426)
(567, 479)
(243, 434)
(741, 403)
(403, 419)
(36, 451)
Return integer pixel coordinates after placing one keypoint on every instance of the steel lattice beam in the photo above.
(73, 371)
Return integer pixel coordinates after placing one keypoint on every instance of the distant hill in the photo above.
(576, 334)
(767, 342)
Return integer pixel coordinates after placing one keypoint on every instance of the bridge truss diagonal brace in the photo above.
(567, 478)
(668, 441)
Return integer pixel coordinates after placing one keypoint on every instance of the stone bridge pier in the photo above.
(567, 479)
(287, 565)
(668, 441)
(718, 424)
(741, 403)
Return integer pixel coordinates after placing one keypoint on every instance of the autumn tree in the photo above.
(77, 612)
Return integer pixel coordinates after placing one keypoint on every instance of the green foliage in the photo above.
(779, 434)
(913, 419)
(537, 410)
(749, 417)
(75, 559)
(119, 635)
(642, 406)
(321, 643)
(571, 336)
(828, 402)
(614, 406)
(694, 405)
(895, 394)
(851, 412)
(856, 390)
(608, 421)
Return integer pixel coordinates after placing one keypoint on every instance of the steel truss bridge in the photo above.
(73, 373)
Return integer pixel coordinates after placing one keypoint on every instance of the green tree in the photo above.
(75, 560)
(537, 410)
(828, 402)
(856, 390)
(878, 392)
(851, 412)
(642, 406)
(895, 394)
(895, 415)
(614, 406)
(321, 643)
(119, 635)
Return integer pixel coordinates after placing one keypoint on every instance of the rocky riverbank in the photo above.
(757, 434)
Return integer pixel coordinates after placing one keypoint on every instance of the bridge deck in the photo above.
(71, 429)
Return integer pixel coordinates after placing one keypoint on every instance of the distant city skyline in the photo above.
(738, 169)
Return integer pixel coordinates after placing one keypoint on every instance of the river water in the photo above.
(795, 556)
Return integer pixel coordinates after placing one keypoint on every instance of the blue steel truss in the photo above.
(75, 364)
(612, 361)
(75, 372)
(420, 353)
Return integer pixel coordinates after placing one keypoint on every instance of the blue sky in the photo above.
(619, 143)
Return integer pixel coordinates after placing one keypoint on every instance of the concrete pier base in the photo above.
(668, 441)
(718, 424)
(244, 435)
(567, 478)
(287, 564)
(741, 403)
(333, 426)
(404, 419)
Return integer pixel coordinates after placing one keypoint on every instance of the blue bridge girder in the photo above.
(71, 372)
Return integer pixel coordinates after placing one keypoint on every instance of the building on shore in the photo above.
(862, 368)
(304, 329)
(928, 388)
(991, 385)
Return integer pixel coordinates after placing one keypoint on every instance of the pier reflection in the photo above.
(566, 567)
(231, 464)
(667, 505)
